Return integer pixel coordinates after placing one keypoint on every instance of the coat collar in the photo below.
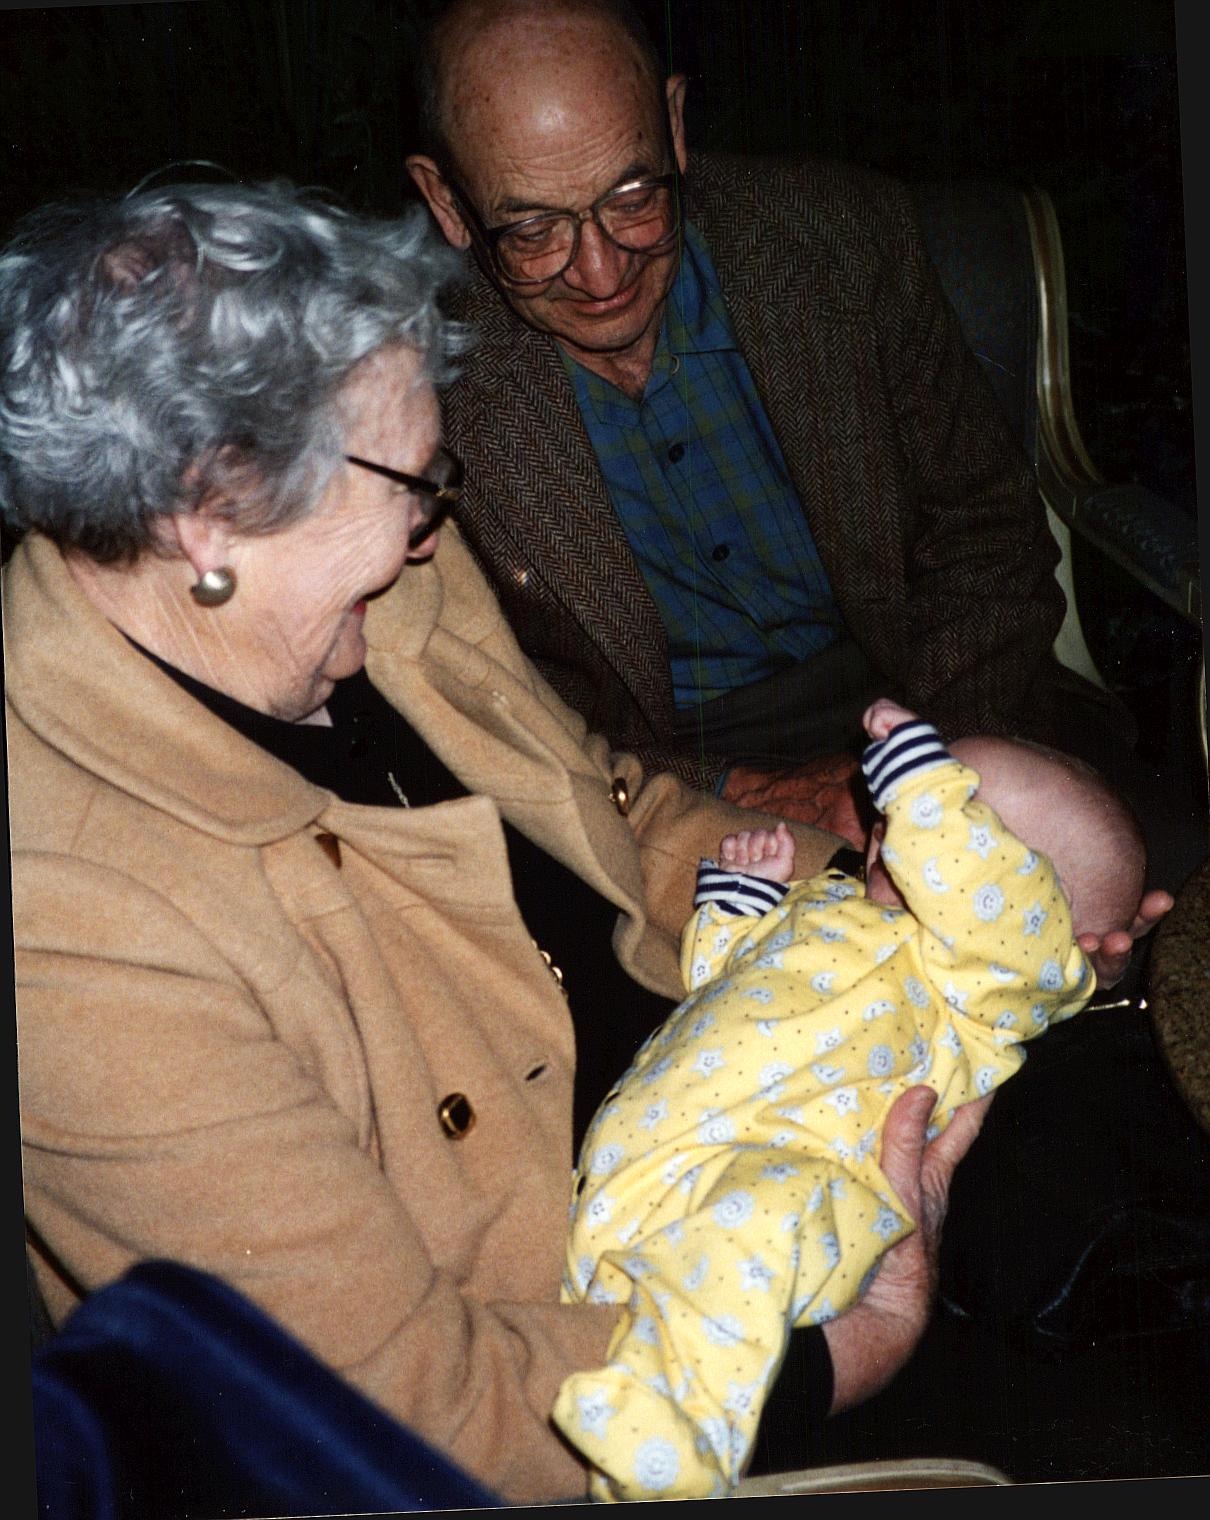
(438, 650)
(73, 679)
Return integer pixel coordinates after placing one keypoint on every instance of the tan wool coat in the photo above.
(241, 1003)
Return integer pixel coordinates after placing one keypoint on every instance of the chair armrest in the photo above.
(878, 1474)
(1150, 538)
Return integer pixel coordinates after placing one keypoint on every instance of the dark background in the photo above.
(1079, 96)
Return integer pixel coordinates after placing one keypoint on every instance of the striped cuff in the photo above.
(906, 751)
(736, 891)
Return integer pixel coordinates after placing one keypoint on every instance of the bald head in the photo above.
(544, 109)
(1062, 808)
(481, 59)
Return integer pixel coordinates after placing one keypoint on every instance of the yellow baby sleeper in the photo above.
(729, 1188)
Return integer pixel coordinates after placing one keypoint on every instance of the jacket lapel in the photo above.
(544, 510)
(784, 318)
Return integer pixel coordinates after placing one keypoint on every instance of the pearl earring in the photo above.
(214, 587)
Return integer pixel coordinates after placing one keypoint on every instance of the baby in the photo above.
(729, 1188)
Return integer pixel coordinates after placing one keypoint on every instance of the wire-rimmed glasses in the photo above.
(640, 216)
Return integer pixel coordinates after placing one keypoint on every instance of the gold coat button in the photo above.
(456, 1115)
(554, 970)
(330, 845)
(619, 795)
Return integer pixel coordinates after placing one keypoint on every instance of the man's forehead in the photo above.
(577, 128)
(583, 48)
(525, 29)
(563, 60)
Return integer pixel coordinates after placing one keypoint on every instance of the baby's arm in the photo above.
(883, 715)
(997, 937)
(749, 880)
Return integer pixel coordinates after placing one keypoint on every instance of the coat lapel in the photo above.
(545, 510)
(434, 658)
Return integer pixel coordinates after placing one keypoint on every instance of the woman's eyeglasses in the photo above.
(442, 494)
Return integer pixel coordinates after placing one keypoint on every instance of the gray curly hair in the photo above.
(176, 340)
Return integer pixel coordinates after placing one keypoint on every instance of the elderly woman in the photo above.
(333, 926)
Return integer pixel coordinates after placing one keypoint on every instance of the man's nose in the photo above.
(599, 266)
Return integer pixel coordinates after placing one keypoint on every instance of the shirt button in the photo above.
(720, 552)
(456, 1116)
(676, 453)
(619, 795)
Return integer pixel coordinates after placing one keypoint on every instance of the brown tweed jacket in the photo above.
(923, 507)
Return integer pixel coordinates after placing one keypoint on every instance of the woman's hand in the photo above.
(822, 792)
(875, 1338)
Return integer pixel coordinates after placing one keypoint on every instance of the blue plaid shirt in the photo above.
(702, 491)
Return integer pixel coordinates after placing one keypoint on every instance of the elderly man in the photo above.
(731, 468)
(733, 471)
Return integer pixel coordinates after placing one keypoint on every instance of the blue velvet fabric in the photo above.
(169, 1396)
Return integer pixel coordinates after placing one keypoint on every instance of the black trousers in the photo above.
(813, 708)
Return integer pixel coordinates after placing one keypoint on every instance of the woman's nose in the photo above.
(424, 524)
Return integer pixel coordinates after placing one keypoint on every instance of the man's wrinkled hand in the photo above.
(1110, 953)
(876, 1337)
(823, 792)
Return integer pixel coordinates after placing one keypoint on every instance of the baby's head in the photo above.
(1062, 808)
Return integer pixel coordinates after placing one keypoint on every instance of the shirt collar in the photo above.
(695, 317)
(695, 322)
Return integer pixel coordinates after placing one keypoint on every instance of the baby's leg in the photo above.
(709, 1297)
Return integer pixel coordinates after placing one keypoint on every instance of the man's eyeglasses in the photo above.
(441, 496)
(642, 216)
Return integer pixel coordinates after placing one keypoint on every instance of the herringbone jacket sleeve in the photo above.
(982, 606)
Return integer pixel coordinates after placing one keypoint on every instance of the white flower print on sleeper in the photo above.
(751, 1162)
